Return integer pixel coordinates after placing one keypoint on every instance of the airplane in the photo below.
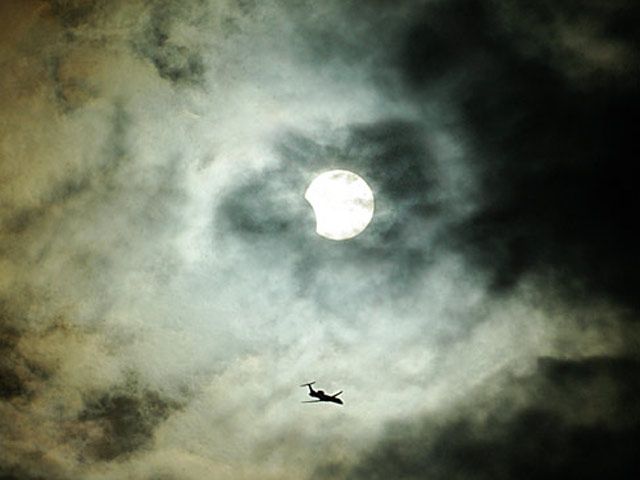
(320, 395)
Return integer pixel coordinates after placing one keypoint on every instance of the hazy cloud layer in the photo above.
(162, 290)
(570, 419)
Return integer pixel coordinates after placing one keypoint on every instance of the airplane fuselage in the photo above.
(323, 397)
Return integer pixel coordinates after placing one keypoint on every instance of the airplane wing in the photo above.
(336, 394)
(311, 401)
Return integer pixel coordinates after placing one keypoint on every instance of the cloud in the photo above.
(549, 149)
(127, 420)
(163, 41)
(569, 418)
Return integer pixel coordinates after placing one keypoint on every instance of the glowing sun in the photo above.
(342, 202)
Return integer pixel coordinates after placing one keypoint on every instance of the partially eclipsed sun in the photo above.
(342, 202)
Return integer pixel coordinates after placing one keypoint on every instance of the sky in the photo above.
(163, 292)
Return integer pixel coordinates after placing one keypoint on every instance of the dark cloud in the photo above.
(571, 419)
(127, 418)
(73, 13)
(18, 372)
(174, 61)
(259, 209)
(17, 474)
(589, 44)
(592, 43)
(10, 384)
(182, 64)
(557, 172)
(448, 36)
(559, 182)
(114, 422)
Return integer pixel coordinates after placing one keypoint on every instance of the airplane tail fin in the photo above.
(307, 384)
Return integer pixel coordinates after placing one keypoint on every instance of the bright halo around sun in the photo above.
(342, 202)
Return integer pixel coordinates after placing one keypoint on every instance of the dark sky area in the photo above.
(163, 291)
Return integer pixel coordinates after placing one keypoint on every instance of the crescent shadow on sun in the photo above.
(342, 202)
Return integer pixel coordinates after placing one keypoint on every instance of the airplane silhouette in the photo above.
(321, 396)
